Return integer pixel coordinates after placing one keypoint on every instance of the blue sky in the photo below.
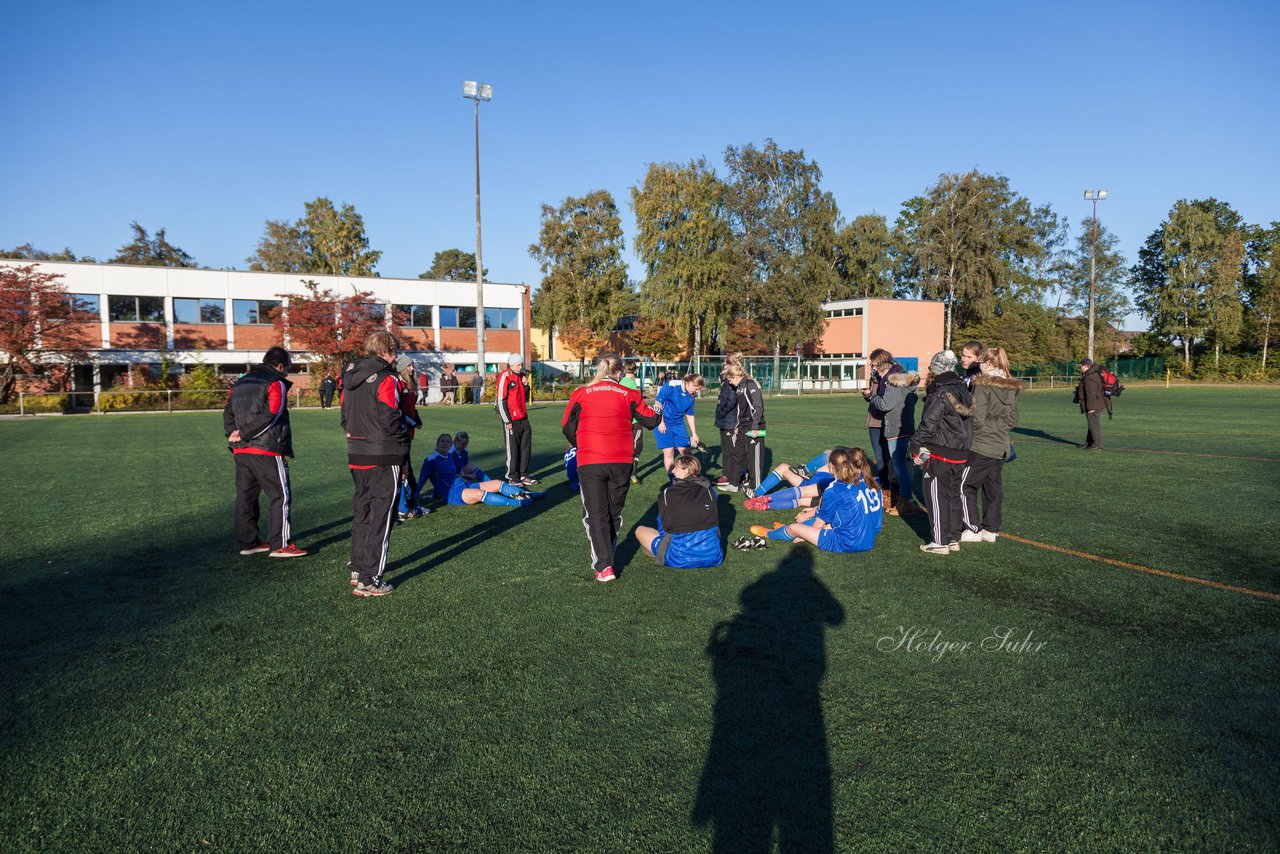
(208, 119)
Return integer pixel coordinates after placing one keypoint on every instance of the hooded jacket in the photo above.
(897, 403)
(727, 406)
(995, 413)
(946, 425)
(248, 410)
(1089, 392)
(687, 504)
(377, 433)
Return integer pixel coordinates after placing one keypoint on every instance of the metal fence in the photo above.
(134, 400)
(1140, 368)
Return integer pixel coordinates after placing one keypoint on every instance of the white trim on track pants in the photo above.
(742, 454)
(985, 474)
(941, 484)
(603, 487)
(255, 474)
(519, 442)
(373, 514)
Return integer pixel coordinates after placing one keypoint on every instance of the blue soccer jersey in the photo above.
(441, 471)
(571, 467)
(675, 403)
(854, 513)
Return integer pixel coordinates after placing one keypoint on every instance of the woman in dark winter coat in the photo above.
(995, 413)
(898, 403)
(941, 446)
(881, 364)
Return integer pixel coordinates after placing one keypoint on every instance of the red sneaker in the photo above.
(606, 574)
(256, 550)
(289, 551)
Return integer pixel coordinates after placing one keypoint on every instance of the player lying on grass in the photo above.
(688, 532)
(453, 488)
(849, 516)
(807, 483)
(675, 403)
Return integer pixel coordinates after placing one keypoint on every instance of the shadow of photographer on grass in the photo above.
(767, 774)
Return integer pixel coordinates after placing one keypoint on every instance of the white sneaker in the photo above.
(967, 536)
(988, 536)
(954, 547)
(935, 549)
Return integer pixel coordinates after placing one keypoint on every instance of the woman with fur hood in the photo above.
(995, 413)
(945, 433)
(898, 404)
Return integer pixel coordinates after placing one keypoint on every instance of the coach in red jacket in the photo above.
(513, 392)
(597, 421)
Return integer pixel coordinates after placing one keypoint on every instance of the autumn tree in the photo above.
(38, 324)
(325, 241)
(452, 265)
(151, 251)
(583, 340)
(864, 259)
(658, 338)
(579, 251)
(328, 325)
(684, 240)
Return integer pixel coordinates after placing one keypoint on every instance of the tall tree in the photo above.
(579, 250)
(684, 240)
(325, 241)
(785, 229)
(27, 252)
(864, 259)
(452, 265)
(151, 251)
(37, 324)
(1110, 302)
(330, 326)
(1263, 284)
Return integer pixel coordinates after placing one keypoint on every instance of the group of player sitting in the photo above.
(455, 481)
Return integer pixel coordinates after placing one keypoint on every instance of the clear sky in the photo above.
(208, 119)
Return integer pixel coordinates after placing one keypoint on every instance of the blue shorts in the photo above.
(455, 491)
(694, 550)
(829, 541)
(671, 438)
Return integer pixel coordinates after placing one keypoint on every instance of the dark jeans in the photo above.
(603, 487)
(1093, 439)
(373, 513)
(986, 475)
(879, 450)
(255, 474)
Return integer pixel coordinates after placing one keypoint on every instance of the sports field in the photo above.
(162, 692)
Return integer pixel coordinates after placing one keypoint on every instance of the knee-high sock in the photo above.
(781, 534)
(769, 483)
(510, 490)
(497, 499)
(817, 462)
(785, 499)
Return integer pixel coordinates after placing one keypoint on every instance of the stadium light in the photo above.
(478, 92)
(1094, 196)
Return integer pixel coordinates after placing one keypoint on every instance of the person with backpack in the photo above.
(1091, 395)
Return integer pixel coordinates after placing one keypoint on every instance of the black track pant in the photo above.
(941, 487)
(742, 455)
(985, 475)
(258, 473)
(373, 513)
(604, 493)
(1093, 439)
(519, 441)
(637, 441)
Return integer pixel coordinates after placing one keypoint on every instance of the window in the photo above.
(459, 317)
(253, 311)
(199, 310)
(501, 318)
(136, 309)
(414, 315)
(845, 312)
(377, 310)
(625, 324)
(89, 303)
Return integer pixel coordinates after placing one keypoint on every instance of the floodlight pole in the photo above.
(476, 92)
(1094, 196)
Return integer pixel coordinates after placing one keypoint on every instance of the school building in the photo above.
(222, 318)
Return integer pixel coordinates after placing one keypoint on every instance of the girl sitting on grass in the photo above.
(688, 532)
(806, 485)
(450, 486)
(849, 517)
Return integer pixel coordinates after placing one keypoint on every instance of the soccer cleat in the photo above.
(989, 536)
(355, 578)
(606, 574)
(721, 479)
(256, 549)
(801, 471)
(727, 487)
(529, 481)
(289, 551)
(760, 502)
(762, 531)
(377, 588)
(701, 447)
(953, 547)
(967, 536)
(742, 544)
(759, 543)
(634, 480)
(935, 549)
(749, 492)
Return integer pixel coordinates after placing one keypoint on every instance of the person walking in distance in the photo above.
(256, 423)
(327, 386)
(513, 397)
(424, 387)
(377, 447)
(597, 421)
(1092, 400)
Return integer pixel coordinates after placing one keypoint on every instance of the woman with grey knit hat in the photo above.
(941, 447)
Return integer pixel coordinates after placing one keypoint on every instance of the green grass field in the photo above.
(161, 692)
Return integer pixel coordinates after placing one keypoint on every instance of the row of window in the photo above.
(845, 312)
(249, 312)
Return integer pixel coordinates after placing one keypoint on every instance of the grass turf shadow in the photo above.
(1040, 434)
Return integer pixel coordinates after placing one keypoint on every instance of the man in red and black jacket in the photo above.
(513, 394)
(377, 444)
(256, 423)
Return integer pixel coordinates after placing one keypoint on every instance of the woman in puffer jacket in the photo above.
(995, 413)
(941, 447)
(898, 403)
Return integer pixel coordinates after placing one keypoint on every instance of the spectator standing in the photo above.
(327, 385)
(880, 361)
(1092, 400)
(513, 398)
(256, 423)
(424, 388)
(995, 413)
(449, 385)
(898, 403)
(744, 453)
(971, 361)
(377, 446)
(945, 432)
(477, 386)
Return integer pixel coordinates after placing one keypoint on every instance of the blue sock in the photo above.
(817, 462)
(495, 499)
(781, 534)
(786, 499)
(510, 490)
(769, 483)
(405, 494)
(534, 496)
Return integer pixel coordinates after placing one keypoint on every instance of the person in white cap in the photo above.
(513, 395)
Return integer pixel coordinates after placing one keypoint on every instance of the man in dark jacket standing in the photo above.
(946, 432)
(327, 386)
(377, 442)
(1092, 401)
(513, 396)
(256, 423)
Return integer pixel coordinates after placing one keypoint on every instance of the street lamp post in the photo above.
(1094, 196)
(478, 92)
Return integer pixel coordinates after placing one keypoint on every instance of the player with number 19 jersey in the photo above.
(854, 513)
